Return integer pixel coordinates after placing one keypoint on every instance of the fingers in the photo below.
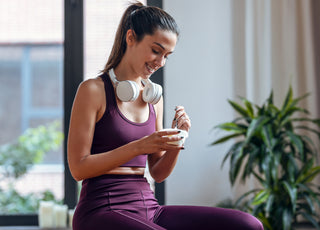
(181, 119)
(169, 140)
(169, 136)
(168, 132)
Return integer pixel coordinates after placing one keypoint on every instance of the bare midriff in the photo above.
(127, 171)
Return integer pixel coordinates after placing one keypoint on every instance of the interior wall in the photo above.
(228, 49)
(315, 6)
(199, 76)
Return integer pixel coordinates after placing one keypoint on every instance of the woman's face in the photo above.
(150, 54)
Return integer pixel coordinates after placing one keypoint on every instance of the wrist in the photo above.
(135, 148)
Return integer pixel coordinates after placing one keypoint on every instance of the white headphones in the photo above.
(129, 90)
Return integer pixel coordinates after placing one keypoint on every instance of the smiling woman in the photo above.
(111, 140)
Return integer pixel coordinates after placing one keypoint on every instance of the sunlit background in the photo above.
(226, 49)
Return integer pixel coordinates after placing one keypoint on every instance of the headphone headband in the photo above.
(130, 90)
(113, 77)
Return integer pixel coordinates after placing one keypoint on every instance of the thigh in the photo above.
(196, 217)
(120, 220)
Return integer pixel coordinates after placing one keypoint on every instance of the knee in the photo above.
(250, 222)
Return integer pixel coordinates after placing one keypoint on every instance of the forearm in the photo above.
(98, 164)
(164, 166)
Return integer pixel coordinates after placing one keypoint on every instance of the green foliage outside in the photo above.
(17, 158)
(279, 148)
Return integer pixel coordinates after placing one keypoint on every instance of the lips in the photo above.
(150, 69)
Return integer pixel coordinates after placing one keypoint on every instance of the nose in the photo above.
(160, 61)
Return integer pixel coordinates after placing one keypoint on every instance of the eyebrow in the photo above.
(162, 46)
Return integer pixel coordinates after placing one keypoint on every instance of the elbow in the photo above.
(76, 175)
(157, 177)
(76, 171)
(77, 178)
(159, 180)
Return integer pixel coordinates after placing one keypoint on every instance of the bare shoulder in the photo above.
(92, 91)
(93, 85)
(159, 107)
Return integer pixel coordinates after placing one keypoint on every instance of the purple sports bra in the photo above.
(114, 129)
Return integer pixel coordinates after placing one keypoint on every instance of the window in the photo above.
(31, 78)
(31, 106)
(31, 96)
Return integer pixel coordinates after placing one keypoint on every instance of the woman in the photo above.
(115, 129)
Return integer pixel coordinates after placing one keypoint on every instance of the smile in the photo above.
(150, 69)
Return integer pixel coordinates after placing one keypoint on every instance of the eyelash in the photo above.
(156, 52)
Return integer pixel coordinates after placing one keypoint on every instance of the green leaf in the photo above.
(259, 178)
(235, 165)
(296, 100)
(249, 107)
(226, 138)
(314, 121)
(289, 112)
(305, 170)
(264, 220)
(288, 100)
(310, 219)
(239, 109)
(265, 167)
(234, 148)
(243, 196)
(270, 98)
(255, 126)
(233, 127)
(287, 218)
(297, 142)
(267, 136)
(274, 168)
(261, 197)
(292, 191)
(269, 203)
(311, 174)
(308, 129)
(251, 163)
(307, 198)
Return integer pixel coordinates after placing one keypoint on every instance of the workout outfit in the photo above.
(126, 202)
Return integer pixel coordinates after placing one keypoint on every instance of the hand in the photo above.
(158, 141)
(181, 119)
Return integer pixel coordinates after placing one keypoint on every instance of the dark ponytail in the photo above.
(142, 20)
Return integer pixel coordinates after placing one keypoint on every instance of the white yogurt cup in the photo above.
(182, 133)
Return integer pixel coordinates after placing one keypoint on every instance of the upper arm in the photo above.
(159, 114)
(86, 105)
(153, 158)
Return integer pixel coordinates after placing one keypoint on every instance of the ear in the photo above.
(130, 37)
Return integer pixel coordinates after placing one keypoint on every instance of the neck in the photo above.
(124, 71)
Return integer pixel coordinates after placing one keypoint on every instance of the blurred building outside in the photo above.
(31, 73)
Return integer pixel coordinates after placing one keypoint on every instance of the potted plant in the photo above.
(275, 147)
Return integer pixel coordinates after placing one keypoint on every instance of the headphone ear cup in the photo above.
(127, 91)
(152, 93)
(158, 94)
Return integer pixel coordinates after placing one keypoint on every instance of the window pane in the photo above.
(46, 66)
(31, 110)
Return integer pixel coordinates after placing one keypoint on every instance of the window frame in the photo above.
(158, 78)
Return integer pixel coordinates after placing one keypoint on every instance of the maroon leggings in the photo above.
(127, 202)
